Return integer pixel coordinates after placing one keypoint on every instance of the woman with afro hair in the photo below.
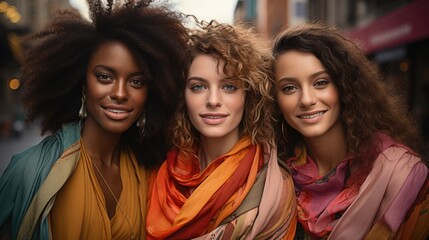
(106, 89)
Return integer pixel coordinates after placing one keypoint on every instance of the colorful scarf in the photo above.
(273, 215)
(29, 184)
(396, 183)
(186, 203)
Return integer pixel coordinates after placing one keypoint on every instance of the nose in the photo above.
(213, 98)
(119, 91)
(308, 97)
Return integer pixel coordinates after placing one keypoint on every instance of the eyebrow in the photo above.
(313, 75)
(205, 80)
(197, 79)
(114, 71)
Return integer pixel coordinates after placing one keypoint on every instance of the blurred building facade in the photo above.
(394, 33)
(17, 18)
(270, 16)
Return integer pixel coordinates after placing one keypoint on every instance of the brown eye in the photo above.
(138, 82)
(103, 77)
(321, 83)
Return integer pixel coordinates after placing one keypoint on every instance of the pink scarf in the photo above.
(319, 216)
(325, 204)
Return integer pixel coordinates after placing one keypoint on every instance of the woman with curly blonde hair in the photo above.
(222, 179)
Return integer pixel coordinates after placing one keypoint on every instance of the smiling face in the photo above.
(215, 105)
(116, 89)
(306, 95)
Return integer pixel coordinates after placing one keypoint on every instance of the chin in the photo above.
(118, 128)
(314, 134)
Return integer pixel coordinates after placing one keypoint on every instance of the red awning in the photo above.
(402, 26)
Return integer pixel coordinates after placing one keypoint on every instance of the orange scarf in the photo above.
(187, 203)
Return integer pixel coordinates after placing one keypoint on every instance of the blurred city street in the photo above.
(394, 34)
(17, 143)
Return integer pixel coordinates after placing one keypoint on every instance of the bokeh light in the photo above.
(14, 84)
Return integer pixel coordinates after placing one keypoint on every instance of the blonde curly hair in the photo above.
(247, 59)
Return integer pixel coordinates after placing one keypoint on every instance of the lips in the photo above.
(116, 112)
(311, 116)
(213, 119)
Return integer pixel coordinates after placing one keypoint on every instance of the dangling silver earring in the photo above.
(283, 132)
(82, 110)
(141, 123)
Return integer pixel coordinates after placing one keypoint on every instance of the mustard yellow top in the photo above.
(80, 211)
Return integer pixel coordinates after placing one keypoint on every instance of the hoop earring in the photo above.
(141, 124)
(82, 111)
(283, 132)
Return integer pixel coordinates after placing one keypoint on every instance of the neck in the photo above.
(212, 148)
(328, 150)
(102, 147)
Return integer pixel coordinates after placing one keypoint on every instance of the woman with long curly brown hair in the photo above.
(106, 89)
(222, 179)
(348, 140)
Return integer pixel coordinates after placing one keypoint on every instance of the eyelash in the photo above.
(103, 76)
(197, 87)
(288, 88)
(226, 87)
(321, 83)
(140, 82)
(230, 87)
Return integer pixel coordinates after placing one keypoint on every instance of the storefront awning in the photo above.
(402, 26)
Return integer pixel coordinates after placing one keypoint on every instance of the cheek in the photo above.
(139, 97)
(190, 101)
(95, 92)
(92, 88)
(142, 96)
(336, 105)
(237, 102)
(286, 104)
(332, 97)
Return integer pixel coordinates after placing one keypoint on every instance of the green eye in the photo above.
(288, 88)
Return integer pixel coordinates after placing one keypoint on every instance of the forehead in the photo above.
(297, 61)
(206, 64)
(115, 54)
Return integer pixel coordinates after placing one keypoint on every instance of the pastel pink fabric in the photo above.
(327, 209)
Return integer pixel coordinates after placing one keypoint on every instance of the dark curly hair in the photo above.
(247, 59)
(57, 57)
(368, 104)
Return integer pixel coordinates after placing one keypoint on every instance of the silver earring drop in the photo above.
(141, 123)
(82, 110)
